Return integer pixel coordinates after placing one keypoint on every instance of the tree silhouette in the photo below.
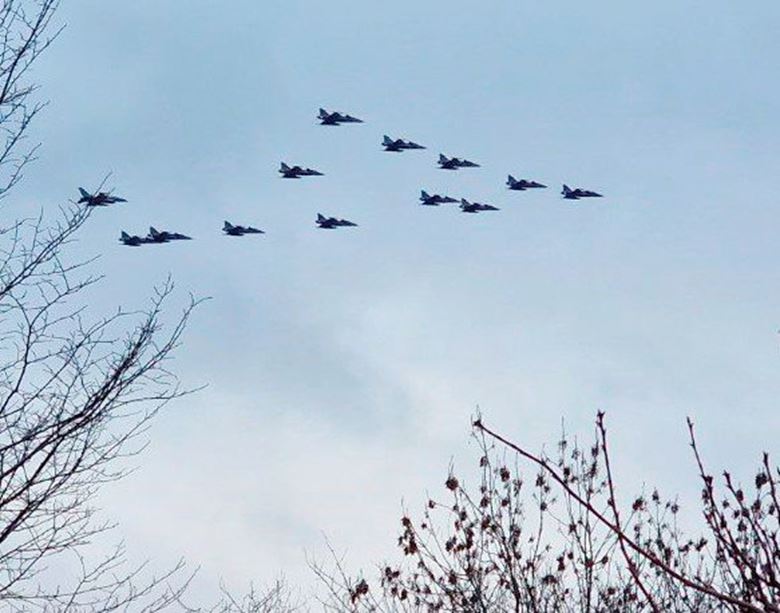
(560, 541)
(76, 389)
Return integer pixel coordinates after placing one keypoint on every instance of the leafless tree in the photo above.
(77, 388)
(561, 542)
(278, 598)
(25, 32)
(75, 392)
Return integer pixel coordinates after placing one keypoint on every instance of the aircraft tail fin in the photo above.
(511, 180)
(443, 159)
(386, 140)
(125, 236)
(84, 193)
(285, 167)
(424, 194)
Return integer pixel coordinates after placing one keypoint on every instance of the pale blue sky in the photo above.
(342, 366)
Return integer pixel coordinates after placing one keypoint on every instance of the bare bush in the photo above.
(279, 598)
(560, 541)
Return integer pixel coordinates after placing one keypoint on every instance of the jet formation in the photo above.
(157, 237)
(154, 237)
(336, 118)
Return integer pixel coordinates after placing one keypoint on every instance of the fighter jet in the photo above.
(335, 119)
(435, 199)
(577, 193)
(296, 172)
(475, 207)
(99, 199)
(132, 241)
(156, 236)
(329, 223)
(446, 163)
(522, 184)
(231, 230)
(399, 144)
